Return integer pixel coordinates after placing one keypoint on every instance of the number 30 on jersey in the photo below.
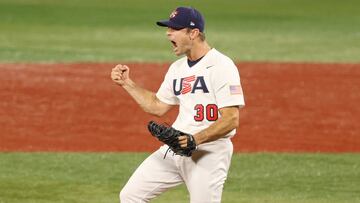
(208, 112)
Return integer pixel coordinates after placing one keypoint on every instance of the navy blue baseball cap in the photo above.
(184, 17)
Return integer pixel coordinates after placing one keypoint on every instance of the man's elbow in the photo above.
(231, 117)
(234, 121)
(156, 113)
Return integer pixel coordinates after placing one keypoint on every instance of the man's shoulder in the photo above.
(179, 62)
(219, 56)
(220, 60)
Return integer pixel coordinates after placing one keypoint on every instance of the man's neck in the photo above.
(198, 50)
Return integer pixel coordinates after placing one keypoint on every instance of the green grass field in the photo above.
(118, 30)
(98, 177)
(125, 30)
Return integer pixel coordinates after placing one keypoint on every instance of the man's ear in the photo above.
(194, 33)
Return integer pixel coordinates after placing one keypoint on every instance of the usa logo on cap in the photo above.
(173, 14)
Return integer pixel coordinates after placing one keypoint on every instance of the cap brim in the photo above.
(170, 24)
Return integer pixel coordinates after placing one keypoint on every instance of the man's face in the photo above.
(180, 40)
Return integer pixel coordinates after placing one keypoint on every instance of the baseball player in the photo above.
(206, 85)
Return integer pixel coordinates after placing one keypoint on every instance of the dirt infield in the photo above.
(76, 107)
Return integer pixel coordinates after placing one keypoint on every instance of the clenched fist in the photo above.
(120, 74)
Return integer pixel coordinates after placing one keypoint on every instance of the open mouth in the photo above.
(173, 43)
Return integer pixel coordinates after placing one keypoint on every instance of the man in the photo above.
(206, 86)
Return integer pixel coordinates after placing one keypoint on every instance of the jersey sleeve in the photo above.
(227, 86)
(165, 92)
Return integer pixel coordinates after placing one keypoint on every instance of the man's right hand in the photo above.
(120, 74)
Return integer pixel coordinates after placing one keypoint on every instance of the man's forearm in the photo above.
(219, 128)
(146, 99)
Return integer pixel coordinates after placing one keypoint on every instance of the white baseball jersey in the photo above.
(201, 90)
